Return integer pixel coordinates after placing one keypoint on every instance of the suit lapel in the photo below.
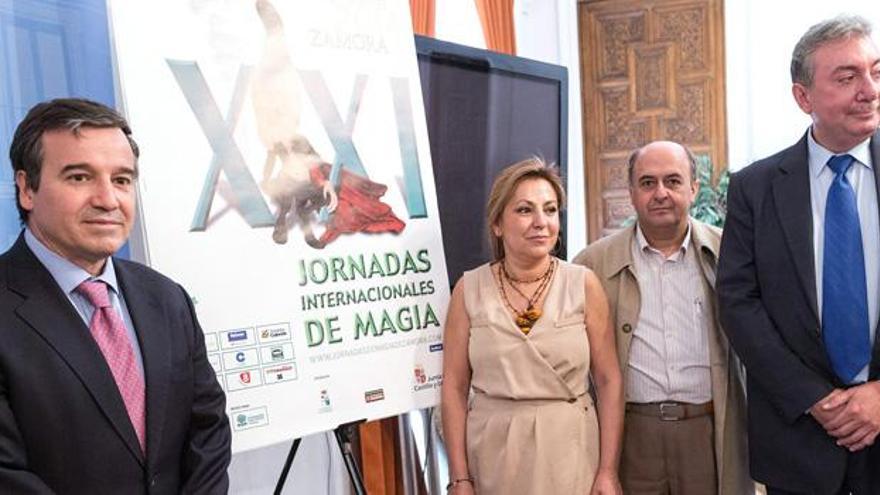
(791, 195)
(874, 369)
(146, 312)
(49, 312)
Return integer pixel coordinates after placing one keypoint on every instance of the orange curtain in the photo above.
(496, 16)
(422, 12)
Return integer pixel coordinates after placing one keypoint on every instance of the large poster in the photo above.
(285, 181)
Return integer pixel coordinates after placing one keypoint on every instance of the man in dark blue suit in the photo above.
(101, 394)
(798, 276)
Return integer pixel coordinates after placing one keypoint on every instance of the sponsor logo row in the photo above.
(248, 358)
(243, 379)
(422, 381)
(248, 336)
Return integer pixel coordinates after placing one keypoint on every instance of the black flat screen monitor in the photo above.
(486, 110)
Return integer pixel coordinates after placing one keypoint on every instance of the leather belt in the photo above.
(670, 410)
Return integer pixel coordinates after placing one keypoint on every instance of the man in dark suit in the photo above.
(798, 276)
(105, 387)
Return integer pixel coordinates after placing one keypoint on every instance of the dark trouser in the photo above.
(855, 482)
(663, 457)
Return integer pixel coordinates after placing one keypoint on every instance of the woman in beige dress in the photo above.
(522, 334)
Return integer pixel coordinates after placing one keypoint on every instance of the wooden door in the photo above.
(650, 69)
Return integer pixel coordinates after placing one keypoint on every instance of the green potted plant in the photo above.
(710, 205)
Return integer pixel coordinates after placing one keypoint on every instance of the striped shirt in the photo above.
(669, 354)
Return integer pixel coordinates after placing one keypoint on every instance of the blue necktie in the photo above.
(844, 293)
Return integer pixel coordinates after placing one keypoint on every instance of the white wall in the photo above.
(457, 21)
(762, 117)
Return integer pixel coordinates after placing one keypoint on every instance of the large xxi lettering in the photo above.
(244, 194)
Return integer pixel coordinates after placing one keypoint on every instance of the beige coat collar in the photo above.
(620, 257)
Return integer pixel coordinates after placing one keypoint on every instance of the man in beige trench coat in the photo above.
(685, 425)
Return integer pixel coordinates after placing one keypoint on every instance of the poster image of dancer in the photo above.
(303, 183)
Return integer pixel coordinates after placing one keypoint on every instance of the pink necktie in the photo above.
(109, 332)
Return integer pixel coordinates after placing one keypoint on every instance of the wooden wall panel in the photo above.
(380, 454)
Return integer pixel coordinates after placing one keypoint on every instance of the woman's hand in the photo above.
(606, 483)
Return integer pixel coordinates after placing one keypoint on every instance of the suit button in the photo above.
(152, 482)
(627, 328)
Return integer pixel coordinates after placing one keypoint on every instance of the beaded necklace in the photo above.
(525, 319)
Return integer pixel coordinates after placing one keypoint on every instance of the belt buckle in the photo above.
(671, 411)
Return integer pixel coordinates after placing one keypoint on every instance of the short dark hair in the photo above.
(26, 150)
(634, 158)
(827, 31)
